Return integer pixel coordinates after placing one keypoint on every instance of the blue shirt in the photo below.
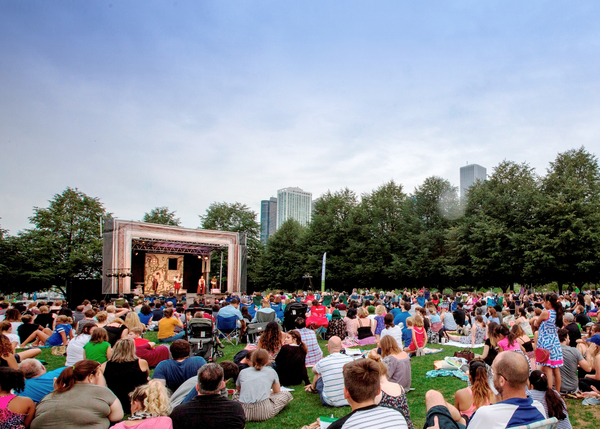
(38, 387)
(230, 311)
(175, 373)
(56, 339)
(401, 318)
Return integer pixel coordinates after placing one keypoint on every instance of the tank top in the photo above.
(9, 419)
(364, 331)
(469, 412)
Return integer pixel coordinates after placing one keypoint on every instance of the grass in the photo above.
(306, 407)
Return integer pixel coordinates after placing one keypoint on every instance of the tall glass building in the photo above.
(469, 174)
(293, 203)
(268, 218)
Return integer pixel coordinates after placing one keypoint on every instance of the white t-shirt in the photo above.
(396, 333)
(75, 349)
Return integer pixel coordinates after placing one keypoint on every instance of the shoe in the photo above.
(591, 400)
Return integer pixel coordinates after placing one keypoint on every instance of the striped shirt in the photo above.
(314, 354)
(331, 369)
(373, 416)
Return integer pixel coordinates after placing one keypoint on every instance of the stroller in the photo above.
(201, 335)
(291, 312)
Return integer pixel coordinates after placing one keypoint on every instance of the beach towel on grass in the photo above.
(447, 373)
(463, 346)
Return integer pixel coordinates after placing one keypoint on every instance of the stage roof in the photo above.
(175, 246)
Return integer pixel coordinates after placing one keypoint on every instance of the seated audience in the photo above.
(549, 398)
(265, 308)
(366, 326)
(116, 330)
(147, 350)
(62, 332)
(209, 410)
(81, 399)
(88, 318)
(27, 329)
(16, 412)
(418, 334)
(145, 314)
(511, 373)
(271, 339)
(336, 327)
(180, 367)
(254, 385)
(328, 379)
(124, 371)
(132, 320)
(149, 406)
(98, 348)
(38, 382)
(392, 394)
(593, 379)
(314, 353)
(317, 316)
(290, 361)
(478, 394)
(167, 325)
(75, 351)
(392, 330)
(572, 359)
(351, 323)
(45, 319)
(477, 333)
(397, 361)
(362, 380)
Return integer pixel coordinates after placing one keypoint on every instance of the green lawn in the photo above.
(306, 407)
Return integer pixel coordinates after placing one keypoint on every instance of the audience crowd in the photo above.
(537, 349)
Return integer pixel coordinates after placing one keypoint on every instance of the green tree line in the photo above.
(514, 227)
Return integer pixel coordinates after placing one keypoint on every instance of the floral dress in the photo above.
(9, 419)
(380, 324)
(398, 403)
(548, 340)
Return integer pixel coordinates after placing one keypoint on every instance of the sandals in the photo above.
(310, 389)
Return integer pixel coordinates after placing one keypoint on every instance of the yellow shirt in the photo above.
(166, 327)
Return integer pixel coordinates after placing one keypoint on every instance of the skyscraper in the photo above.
(268, 218)
(293, 203)
(469, 174)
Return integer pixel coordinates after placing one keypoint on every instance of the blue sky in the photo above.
(180, 104)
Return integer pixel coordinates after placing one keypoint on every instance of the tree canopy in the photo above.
(161, 216)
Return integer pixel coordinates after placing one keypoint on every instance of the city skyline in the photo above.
(184, 104)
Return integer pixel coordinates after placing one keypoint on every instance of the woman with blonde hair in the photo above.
(150, 406)
(366, 326)
(63, 332)
(132, 320)
(124, 371)
(380, 312)
(117, 330)
(102, 318)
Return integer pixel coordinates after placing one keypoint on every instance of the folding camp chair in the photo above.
(344, 299)
(256, 328)
(256, 300)
(278, 310)
(327, 300)
(227, 329)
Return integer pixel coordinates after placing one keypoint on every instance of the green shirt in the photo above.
(96, 351)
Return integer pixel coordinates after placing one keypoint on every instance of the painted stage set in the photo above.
(154, 259)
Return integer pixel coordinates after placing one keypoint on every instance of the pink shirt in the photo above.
(504, 344)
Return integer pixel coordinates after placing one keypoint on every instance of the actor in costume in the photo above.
(213, 282)
(177, 283)
(201, 286)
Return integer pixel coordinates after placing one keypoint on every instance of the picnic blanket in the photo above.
(429, 351)
(447, 373)
(463, 346)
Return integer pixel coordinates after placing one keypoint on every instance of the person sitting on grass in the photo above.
(392, 329)
(209, 410)
(167, 325)
(148, 350)
(271, 339)
(553, 404)
(478, 394)
(328, 379)
(392, 395)
(38, 382)
(150, 408)
(254, 385)
(362, 384)
(419, 336)
(314, 353)
(98, 348)
(16, 412)
(26, 329)
(180, 367)
(6, 329)
(290, 361)
(511, 373)
(75, 351)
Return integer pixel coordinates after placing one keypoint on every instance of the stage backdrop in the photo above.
(158, 265)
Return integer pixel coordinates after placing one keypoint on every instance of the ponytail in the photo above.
(557, 306)
(556, 406)
(259, 359)
(480, 386)
(76, 373)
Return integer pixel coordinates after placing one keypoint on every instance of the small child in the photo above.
(419, 337)
(98, 348)
(407, 332)
(62, 333)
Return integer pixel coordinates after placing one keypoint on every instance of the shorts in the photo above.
(445, 419)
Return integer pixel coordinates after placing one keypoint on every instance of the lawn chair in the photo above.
(550, 423)
(256, 328)
(344, 299)
(227, 329)
(327, 300)
(278, 310)
(256, 300)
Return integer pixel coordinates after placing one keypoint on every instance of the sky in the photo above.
(185, 103)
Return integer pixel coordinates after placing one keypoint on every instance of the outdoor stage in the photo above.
(141, 257)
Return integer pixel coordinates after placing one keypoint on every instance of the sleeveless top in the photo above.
(398, 403)
(469, 412)
(122, 378)
(9, 419)
(364, 331)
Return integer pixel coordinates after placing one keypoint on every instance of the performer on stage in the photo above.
(201, 286)
(177, 283)
(155, 279)
(213, 282)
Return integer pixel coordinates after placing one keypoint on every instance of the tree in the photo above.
(65, 242)
(161, 216)
(283, 261)
(236, 217)
(570, 218)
